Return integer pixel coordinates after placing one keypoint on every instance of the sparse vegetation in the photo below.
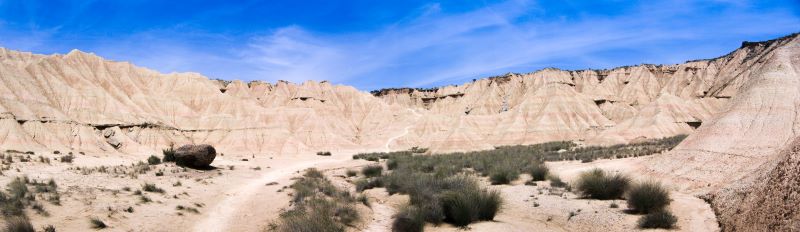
(169, 154)
(658, 219)
(148, 187)
(18, 224)
(647, 197)
(408, 219)
(67, 158)
(538, 171)
(503, 175)
(97, 223)
(319, 206)
(153, 160)
(599, 184)
(351, 173)
(324, 153)
(372, 170)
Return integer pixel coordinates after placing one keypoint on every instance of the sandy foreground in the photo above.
(241, 195)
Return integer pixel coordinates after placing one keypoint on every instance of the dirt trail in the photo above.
(381, 217)
(405, 132)
(221, 215)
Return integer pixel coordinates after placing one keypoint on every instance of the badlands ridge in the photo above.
(741, 111)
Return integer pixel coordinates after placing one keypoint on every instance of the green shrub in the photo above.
(313, 173)
(368, 183)
(324, 153)
(49, 228)
(391, 164)
(464, 206)
(169, 154)
(147, 187)
(67, 158)
(351, 173)
(346, 214)
(647, 197)
(372, 170)
(503, 175)
(556, 181)
(408, 219)
(599, 184)
(97, 223)
(18, 224)
(153, 160)
(538, 171)
(658, 219)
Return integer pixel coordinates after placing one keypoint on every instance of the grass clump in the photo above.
(18, 224)
(97, 223)
(169, 154)
(659, 219)
(319, 206)
(503, 175)
(351, 173)
(324, 153)
(408, 219)
(599, 184)
(538, 171)
(556, 182)
(372, 170)
(153, 160)
(647, 197)
(148, 187)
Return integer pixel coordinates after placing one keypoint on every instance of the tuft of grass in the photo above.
(169, 154)
(153, 160)
(391, 164)
(67, 158)
(49, 228)
(351, 173)
(19, 224)
(658, 219)
(368, 183)
(503, 175)
(372, 170)
(599, 184)
(464, 206)
(556, 182)
(97, 223)
(408, 219)
(148, 187)
(324, 153)
(647, 197)
(538, 171)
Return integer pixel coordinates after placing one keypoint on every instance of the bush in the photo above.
(372, 170)
(464, 206)
(658, 219)
(97, 223)
(67, 158)
(598, 184)
(503, 175)
(147, 187)
(391, 164)
(49, 228)
(18, 224)
(408, 219)
(324, 153)
(647, 197)
(153, 160)
(368, 183)
(351, 173)
(538, 171)
(169, 154)
(556, 182)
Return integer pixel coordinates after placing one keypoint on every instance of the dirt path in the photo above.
(222, 214)
(405, 132)
(381, 217)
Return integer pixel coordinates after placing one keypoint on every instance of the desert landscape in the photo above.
(88, 143)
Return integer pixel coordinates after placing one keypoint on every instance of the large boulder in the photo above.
(198, 156)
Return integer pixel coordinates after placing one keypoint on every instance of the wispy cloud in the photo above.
(433, 46)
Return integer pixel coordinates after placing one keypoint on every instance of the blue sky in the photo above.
(375, 44)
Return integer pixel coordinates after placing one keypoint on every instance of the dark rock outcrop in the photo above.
(197, 156)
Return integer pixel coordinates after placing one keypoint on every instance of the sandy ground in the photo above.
(248, 195)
